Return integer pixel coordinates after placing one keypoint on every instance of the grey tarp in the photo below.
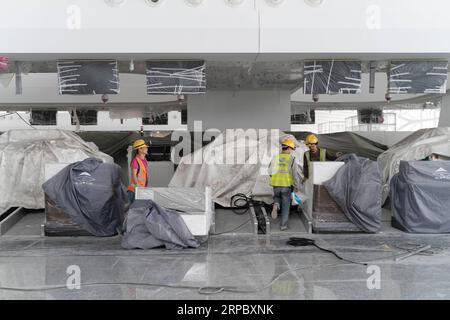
(91, 193)
(347, 142)
(25, 153)
(420, 196)
(356, 188)
(151, 226)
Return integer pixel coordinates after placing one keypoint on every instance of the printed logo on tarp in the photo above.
(84, 178)
(441, 174)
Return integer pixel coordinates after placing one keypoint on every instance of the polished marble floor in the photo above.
(246, 266)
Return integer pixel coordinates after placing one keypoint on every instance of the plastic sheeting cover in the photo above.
(23, 156)
(356, 188)
(331, 77)
(418, 77)
(179, 199)
(417, 146)
(420, 196)
(200, 169)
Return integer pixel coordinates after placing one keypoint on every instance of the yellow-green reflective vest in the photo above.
(282, 174)
(322, 155)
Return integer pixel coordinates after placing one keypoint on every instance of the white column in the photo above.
(444, 118)
(259, 109)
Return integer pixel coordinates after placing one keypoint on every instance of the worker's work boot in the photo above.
(275, 210)
(283, 228)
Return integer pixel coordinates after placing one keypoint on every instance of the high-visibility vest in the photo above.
(282, 173)
(141, 176)
(322, 155)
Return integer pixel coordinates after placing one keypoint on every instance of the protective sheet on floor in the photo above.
(417, 146)
(92, 194)
(420, 196)
(23, 156)
(150, 226)
(356, 188)
(247, 173)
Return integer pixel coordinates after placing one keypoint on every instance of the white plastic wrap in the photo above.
(226, 180)
(185, 200)
(417, 146)
(23, 156)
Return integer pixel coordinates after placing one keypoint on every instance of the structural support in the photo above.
(9, 218)
(444, 117)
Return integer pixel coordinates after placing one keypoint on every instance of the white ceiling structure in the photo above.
(251, 44)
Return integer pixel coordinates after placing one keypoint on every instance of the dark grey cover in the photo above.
(420, 196)
(356, 188)
(91, 193)
(150, 226)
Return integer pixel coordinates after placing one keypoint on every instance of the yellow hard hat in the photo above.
(139, 144)
(289, 142)
(311, 139)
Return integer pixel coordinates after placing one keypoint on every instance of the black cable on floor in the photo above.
(240, 203)
(303, 242)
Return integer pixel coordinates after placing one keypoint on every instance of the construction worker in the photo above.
(314, 154)
(139, 169)
(284, 177)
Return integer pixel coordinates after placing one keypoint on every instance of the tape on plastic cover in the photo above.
(417, 77)
(332, 77)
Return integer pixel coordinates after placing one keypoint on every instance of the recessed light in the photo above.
(194, 3)
(314, 3)
(154, 3)
(234, 3)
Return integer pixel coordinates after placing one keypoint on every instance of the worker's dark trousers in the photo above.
(282, 196)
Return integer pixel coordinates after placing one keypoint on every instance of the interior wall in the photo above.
(259, 109)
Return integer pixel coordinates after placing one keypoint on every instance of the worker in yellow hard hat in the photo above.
(139, 168)
(284, 177)
(314, 154)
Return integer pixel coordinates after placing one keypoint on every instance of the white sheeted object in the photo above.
(23, 156)
(417, 146)
(225, 180)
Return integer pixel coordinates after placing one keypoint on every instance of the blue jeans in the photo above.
(131, 196)
(282, 196)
